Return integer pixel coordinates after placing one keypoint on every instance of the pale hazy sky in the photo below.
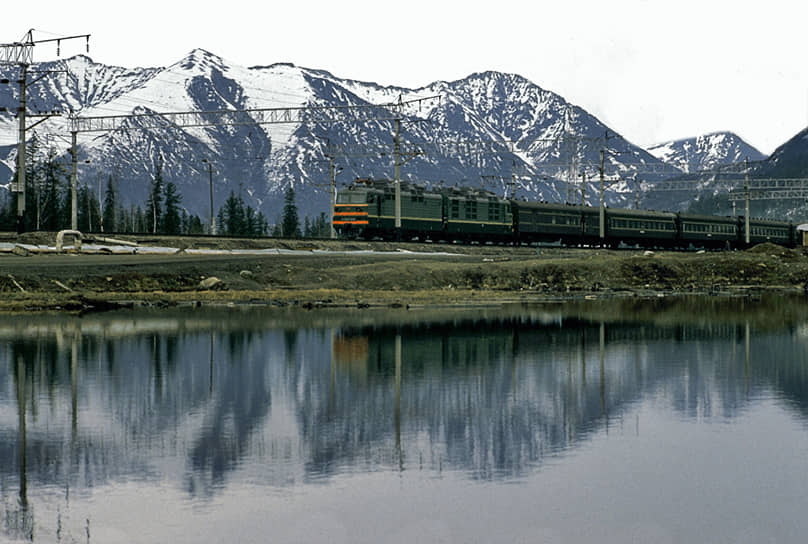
(651, 70)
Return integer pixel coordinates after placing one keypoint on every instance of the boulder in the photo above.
(211, 283)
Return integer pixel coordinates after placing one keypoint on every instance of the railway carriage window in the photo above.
(471, 209)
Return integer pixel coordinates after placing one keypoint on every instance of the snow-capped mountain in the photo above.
(706, 152)
(483, 131)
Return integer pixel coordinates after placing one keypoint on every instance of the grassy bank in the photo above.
(418, 276)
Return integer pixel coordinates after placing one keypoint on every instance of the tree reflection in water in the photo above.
(250, 394)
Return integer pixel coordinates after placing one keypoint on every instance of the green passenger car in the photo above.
(764, 230)
(707, 231)
(477, 216)
(641, 227)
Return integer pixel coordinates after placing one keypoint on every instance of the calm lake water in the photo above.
(662, 421)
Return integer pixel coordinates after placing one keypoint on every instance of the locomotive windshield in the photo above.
(351, 198)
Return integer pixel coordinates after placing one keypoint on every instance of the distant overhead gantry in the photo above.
(773, 189)
(250, 116)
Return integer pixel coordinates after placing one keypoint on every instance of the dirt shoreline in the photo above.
(327, 274)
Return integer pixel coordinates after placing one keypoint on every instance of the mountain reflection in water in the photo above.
(196, 396)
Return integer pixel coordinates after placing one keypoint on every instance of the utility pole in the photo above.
(583, 189)
(334, 171)
(210, 186)
(20, 189)
(397, 175)
(22, 53)
(573, 168)
(397, 157)
(74, 181)
(747, 233)
(602, 218)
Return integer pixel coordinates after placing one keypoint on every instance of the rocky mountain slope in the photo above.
(488, 130)
(483, 131)
(705, 152)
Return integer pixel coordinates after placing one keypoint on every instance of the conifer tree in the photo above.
(263, 225)
(290, 225)
(109, 221)
(232, 216)
(172, 222)
(154, 204)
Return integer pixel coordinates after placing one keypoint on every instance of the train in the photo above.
(365, 209)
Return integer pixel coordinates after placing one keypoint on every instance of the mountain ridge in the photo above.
(523, 132)
(706, 151)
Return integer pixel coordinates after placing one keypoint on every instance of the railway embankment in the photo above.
(325, 273)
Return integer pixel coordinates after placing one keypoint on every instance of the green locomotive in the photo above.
(366, 209)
